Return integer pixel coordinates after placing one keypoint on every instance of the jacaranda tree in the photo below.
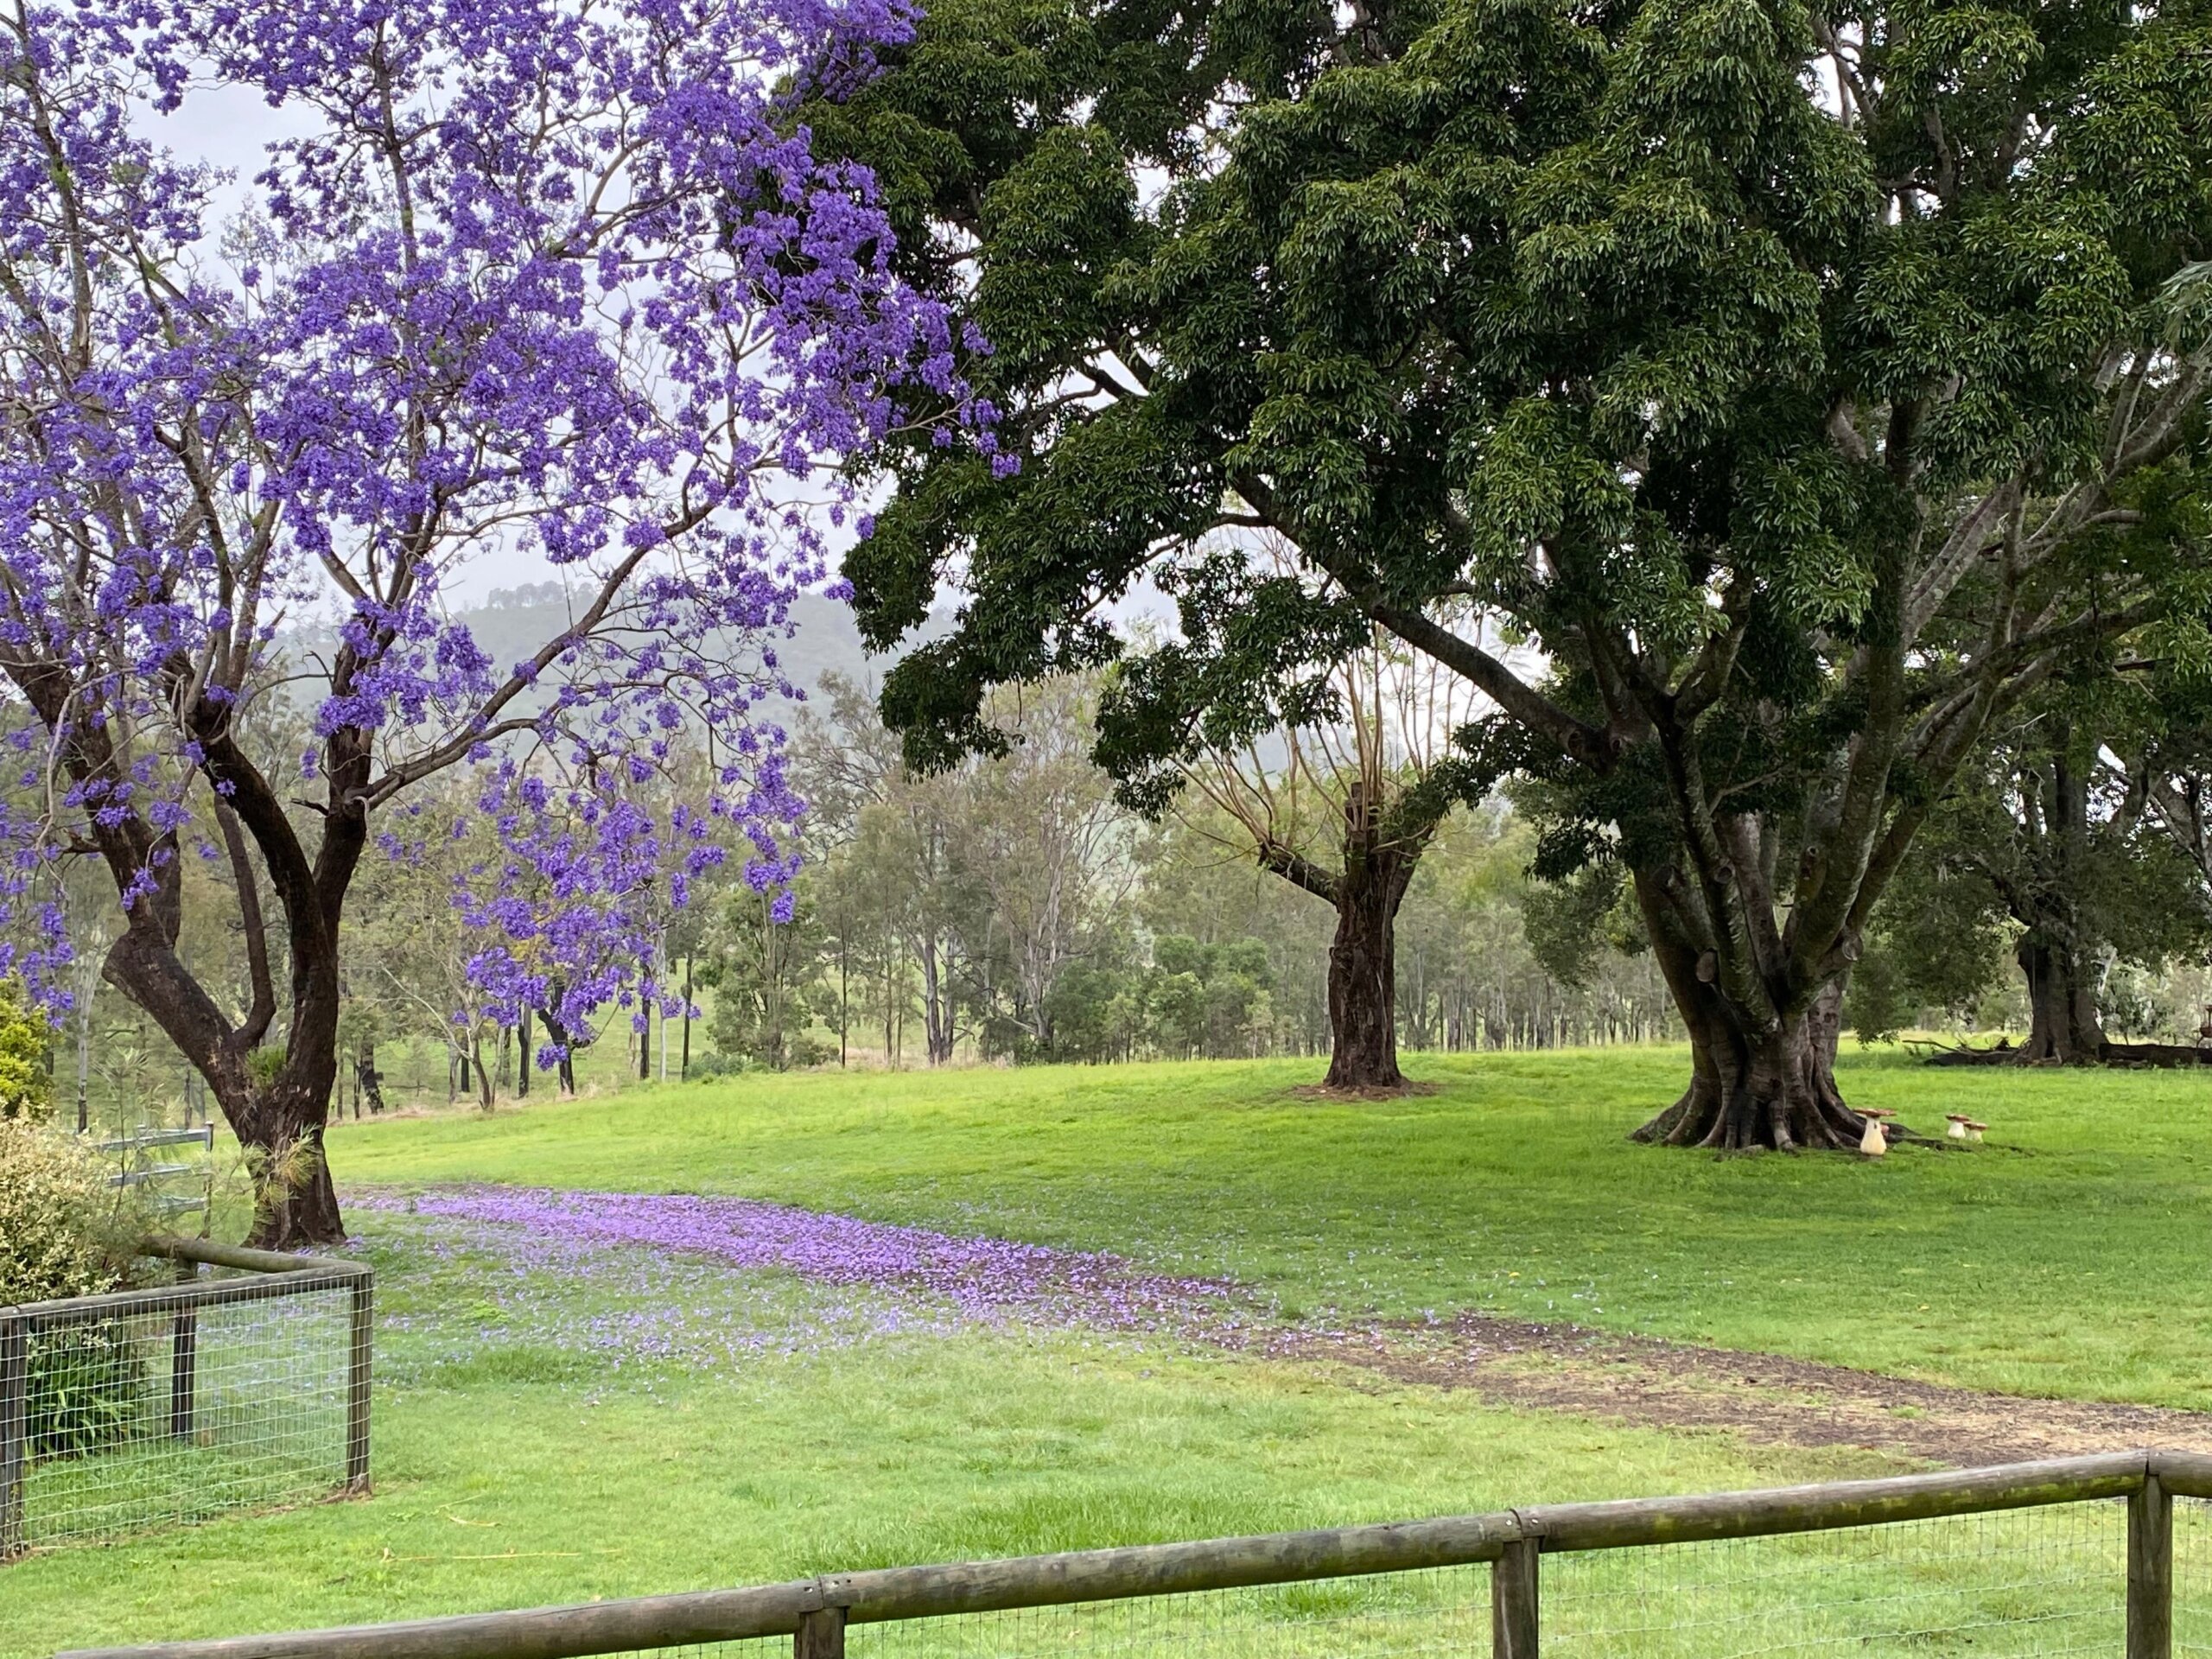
(535, 280)
(1808, 383)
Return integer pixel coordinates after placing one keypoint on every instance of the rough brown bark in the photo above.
(1771, 1087)
(1775, 1090)
(281, 1127)
(301, 1210)
(2062, 998)
(1363, 974)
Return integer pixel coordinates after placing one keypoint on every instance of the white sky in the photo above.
(231, 129)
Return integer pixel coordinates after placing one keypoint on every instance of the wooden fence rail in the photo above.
(815, 1612)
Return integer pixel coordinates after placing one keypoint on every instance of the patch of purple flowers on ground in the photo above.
(467, 1288)
(992, 1279)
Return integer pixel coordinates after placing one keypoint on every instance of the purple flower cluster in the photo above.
(542, 279)
(990, 1280)
(479, 1286)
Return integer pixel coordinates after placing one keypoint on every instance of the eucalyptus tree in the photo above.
(562, 281)
(1807, 384)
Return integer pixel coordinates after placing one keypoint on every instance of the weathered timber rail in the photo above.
(119, 1320)
(816, 1611)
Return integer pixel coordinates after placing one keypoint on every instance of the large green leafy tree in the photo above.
(1808, 385)
(2043, 845)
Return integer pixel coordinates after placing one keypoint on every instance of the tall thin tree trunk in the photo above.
(368, 1080)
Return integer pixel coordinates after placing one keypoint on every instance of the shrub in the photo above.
(64, 1231)
(705, 1067)
(26, 1090)
(86, 1388)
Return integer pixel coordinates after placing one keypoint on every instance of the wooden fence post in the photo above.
(14, 1432)
(1513, 1600)
(2150, 1572)
(359, 1352)
(184, 1372)
(821, 1635)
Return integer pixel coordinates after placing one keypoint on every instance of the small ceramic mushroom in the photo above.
(1874, 1142)
(1974, 1129)
(1958, 1122)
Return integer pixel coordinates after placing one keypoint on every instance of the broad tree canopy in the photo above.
(1809, 384)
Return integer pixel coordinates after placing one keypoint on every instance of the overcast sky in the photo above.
(231, 129)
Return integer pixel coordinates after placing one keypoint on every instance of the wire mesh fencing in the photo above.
(2192, 1575)
(142, 1408)
(1996, 1585)
(2092, 1554)
(1437, 1613)
(2017, 1582)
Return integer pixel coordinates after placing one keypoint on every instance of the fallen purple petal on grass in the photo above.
(993, 1280)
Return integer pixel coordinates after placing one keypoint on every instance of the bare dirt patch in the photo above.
(1401, 1091)
(1765, 1398)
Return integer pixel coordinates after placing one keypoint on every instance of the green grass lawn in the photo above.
(617, 1423)
(2067, 1255)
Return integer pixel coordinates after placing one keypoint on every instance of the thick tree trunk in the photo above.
(1362, 975)
(298, 1209)
(1773, 1090)
(1749, 1088)
(1363, 957)
(2062, 996)
(281, 1128)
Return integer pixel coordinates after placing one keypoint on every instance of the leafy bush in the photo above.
(87, 1387)
(64, 1231)
(26, 1090)
(718, 1064)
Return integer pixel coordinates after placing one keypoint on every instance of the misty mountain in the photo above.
(825, 641)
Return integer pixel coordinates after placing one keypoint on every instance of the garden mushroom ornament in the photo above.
(1874, 1142)
(1958, 1122)
(1974, 1129)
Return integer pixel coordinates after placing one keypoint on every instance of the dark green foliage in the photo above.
(1808, 385)
(1572, 922)
(1191, 999)
(1938, 945)
(86, 1388)
(2042, 846)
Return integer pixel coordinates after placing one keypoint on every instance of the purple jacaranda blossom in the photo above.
(995, 1279)
(458, 1286)
(564, 282)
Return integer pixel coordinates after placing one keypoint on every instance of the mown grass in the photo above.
(537, 1440)
(2066, 1255)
